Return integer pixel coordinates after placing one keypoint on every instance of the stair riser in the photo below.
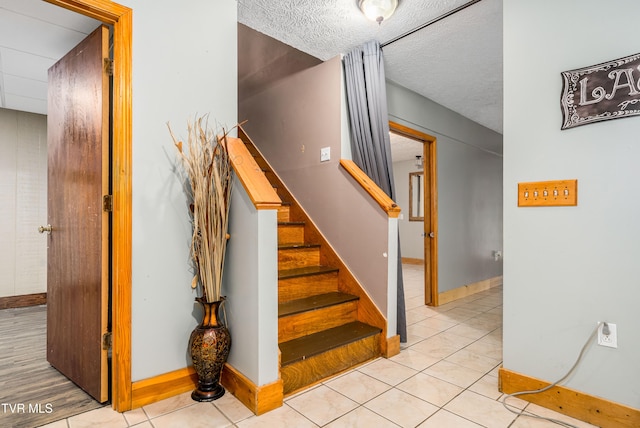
(306, 286)
(298, 325)
(298, 257)
(290, 234)
(302, 374)
(283, 215)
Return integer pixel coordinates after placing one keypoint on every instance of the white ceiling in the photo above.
(456, 62)
(33, 36)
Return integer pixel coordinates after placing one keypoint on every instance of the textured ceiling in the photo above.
(456, 62)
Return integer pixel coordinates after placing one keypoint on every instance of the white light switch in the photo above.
(325, 154)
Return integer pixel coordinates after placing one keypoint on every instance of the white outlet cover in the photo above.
(325, 154)
(610, 340)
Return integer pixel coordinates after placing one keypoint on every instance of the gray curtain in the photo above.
(369, 122)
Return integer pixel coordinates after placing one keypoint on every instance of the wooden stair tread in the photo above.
(326, 340)
(305, 271)
(291, 223)
(311, 303)
(296, 246)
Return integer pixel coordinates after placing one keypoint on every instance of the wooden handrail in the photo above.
(385, 202)
(260, 191)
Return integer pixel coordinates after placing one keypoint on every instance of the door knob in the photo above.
(432, 235)
(47, 228)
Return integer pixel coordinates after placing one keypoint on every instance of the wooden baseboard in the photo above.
(259, 399)
(468, 290)
(158, 388)
(392, 346)
(585, 407)
(23, 301)
(410, 261)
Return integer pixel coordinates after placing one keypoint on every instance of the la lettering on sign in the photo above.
(610, 90)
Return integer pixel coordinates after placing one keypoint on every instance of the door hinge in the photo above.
(108, 66)
(107, 341)
(107, 203)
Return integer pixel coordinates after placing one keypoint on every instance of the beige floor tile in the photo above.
(361, 418)
(57, 424)
(437, 323)
(419, 331)
(104, 417)
(232, 408)
(431, 389)
(358, 386)
(487, 386)
(283, 416)
(168, 405)
(333, 405)
(135, 416)
(401, 408)
(414, 360)
(474, 361)
(470, 331)
(387, 371)
(481, 410)
(413, 302)
(145, 424)
(454, 373)
(420, 313)
(444, 419)
(486, 347)
(200, 415)
(441, 345)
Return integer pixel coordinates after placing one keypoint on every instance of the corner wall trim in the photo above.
(259, 399)
(579, 405)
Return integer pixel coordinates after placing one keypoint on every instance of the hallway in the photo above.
(445, 377)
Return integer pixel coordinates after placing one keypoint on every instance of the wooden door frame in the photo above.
(431, 208)
(121, 18)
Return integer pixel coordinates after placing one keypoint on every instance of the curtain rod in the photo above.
(433, 21)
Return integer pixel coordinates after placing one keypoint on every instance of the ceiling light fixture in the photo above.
(418, 162)
(378, 10)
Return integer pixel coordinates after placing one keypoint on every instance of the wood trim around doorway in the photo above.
(121, 18)
(431, 208)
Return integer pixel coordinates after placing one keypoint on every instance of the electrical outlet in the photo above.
(611, 339)
(325, 154)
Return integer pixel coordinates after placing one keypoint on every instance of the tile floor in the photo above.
(445, 377)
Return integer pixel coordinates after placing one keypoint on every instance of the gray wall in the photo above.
(469, 165)
(566, 268)
(23, 203)
(184, 63)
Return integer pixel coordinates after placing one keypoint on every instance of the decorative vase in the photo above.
(209, 345)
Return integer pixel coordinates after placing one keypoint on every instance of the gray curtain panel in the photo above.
(369, 123)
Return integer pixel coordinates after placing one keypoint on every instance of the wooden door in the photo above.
(78, 244)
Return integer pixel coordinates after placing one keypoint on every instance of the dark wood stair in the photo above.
(320, 330)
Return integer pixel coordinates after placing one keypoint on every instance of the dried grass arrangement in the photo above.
(207, 177)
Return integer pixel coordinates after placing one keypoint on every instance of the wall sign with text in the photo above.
(610, 90)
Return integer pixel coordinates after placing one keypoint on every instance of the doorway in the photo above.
(427, 206)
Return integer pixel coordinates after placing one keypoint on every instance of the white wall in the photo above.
(567, 268)
(469, 165)
(184, 64)
(23, 203)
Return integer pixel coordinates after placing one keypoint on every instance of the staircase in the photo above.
(326, 322)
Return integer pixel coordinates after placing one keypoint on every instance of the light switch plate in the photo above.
(325, 154)
(556, 193)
